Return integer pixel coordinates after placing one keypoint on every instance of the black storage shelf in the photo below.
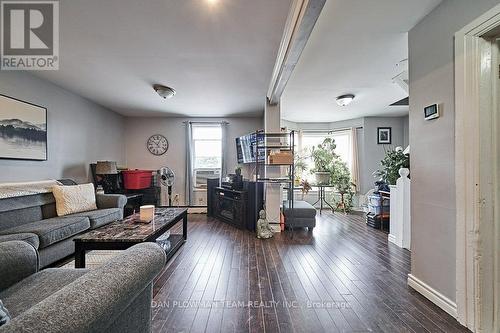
(263, 147)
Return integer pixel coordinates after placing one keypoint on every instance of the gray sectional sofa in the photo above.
(33, 219)
(116, 297)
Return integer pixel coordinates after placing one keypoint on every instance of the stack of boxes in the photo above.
(378, 212)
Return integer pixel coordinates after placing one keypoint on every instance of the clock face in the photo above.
(157, 144)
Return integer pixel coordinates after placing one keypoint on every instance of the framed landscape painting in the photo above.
(23, 130)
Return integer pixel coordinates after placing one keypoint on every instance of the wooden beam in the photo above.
(299, 25)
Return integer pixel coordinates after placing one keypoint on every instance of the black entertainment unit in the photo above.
(236, 207)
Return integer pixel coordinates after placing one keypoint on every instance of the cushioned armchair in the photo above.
(115, 297)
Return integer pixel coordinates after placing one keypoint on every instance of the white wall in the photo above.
(138, 130)
(79, 132)
(431, 47)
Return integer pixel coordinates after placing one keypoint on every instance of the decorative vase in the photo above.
(322, 178)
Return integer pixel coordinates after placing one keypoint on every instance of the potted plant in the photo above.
(341, 179)
(306, 187)
(323, 155)
(299, 168)
(392, 162)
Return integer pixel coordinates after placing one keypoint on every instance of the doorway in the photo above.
(477, 128)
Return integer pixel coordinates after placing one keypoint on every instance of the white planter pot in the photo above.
(322, 178)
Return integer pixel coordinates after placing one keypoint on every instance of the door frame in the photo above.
(477, 269)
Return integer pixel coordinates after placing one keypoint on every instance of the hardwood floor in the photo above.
(343, 277)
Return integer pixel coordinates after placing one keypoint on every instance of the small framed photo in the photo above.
(384, 135)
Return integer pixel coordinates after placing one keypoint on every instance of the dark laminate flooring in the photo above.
(343, 277)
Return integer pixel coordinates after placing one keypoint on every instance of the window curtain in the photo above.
(224, 145)
(300, 135)
(189, 164)
(354, 158)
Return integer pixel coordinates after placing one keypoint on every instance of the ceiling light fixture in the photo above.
(212, 2)
(164, 91)
(345, 100)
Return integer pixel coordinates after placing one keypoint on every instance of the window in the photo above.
(207, 145)
(313, 139)
(207, 153)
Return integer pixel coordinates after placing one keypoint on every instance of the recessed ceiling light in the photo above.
(164, 91)
(212, 2)
(345, 100)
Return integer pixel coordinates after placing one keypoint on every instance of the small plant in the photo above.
(306, 187)
(341, 179)
(300, 165)
(393, 161)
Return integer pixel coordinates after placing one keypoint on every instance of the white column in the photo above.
(400, 222)
(272, 122)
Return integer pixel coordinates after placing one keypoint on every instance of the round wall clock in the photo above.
(157, 144)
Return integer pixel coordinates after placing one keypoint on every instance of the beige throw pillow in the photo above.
(74, 199)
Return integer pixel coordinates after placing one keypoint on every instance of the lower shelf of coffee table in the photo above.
(171, 245)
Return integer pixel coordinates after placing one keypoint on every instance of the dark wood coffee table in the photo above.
(120, 235)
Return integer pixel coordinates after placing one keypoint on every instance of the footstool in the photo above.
(303, 215)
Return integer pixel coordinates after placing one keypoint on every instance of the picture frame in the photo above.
(23, 130)
(384, 135)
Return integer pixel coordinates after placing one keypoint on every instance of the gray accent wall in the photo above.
(433, 207)
(79, 131)
(140, 129)
(373, 153)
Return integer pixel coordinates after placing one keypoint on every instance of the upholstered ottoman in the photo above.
(303, 215)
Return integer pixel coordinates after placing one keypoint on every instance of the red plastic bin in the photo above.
(136, 179)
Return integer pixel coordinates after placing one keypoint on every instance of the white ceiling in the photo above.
(354, 48)
(218, 57)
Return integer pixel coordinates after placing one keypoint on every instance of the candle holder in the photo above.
(146, 213)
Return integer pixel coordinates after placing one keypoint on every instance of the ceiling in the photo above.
(218, 57)
(354, 48)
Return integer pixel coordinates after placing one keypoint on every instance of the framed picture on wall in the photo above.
(384, 135)
(23, 130)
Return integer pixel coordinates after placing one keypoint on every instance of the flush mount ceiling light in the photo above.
(212, 2)
(164, 91)
(345, 100)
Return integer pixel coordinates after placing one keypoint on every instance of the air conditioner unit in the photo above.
(201, 176)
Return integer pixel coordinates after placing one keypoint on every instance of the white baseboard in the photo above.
(391, 238)
(433, 295)
(196, 210)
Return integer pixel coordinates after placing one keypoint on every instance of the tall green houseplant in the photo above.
(337, 173)
(323, 156)
(393, 161)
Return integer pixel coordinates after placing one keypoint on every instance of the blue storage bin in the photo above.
(377, 210)
(377, 200)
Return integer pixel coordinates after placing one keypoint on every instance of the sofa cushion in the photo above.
(74, 199)
(53, 230)
(301, 209)
(101, 217)
(35, 288)
(27, 237)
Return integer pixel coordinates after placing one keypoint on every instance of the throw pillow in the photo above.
(74, 199)
(4, 315)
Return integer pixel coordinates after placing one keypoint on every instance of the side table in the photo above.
(322, 196)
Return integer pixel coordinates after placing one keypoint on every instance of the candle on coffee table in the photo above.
(147, 213)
